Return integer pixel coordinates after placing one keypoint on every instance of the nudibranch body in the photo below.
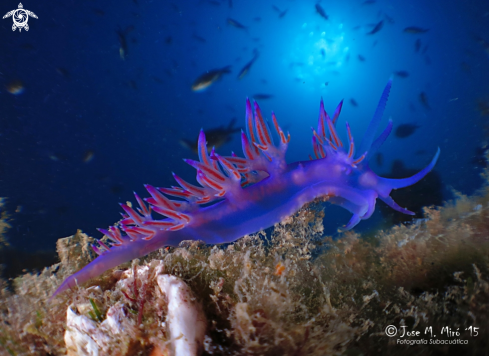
(239, 196)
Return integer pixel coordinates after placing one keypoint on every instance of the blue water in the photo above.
(131, 113)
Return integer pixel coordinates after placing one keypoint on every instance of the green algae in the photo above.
(96, 315)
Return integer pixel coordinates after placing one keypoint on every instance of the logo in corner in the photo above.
(20, 17)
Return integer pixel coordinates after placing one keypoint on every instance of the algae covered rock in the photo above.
(75, 251)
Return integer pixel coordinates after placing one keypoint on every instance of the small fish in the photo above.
(116, 189)
(465, 67)
(64, 72)
(15, 87)
(368, 2)
(262, 96)
(323, 53)
(377, 28)
(215, 137)
(281, 13)
(157, 79)
(483, 107)
(211, 76)
(353, 102)
(121, 35)
(483, 43)
(321, 11)
(415, 30)
(98, 12)
(389, 19)
(88, 156)
(248, 65)
(236, 24)
(361, 58)
(406, 130)
(27, 46)
(326, 84)
(380, 159)
(479, 158)
(417, 45)
(401, 73)
(424, 100)
(168, 72)
(198, 38)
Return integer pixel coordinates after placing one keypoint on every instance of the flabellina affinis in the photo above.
(238, 196)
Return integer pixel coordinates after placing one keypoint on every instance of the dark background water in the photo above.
(81, 98)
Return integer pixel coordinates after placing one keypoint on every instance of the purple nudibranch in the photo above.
(238, 196)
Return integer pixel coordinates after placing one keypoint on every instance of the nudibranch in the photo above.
(237, 196)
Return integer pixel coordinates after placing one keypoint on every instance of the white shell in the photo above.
(185, 320)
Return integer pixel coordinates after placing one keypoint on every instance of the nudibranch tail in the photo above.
(236, 196)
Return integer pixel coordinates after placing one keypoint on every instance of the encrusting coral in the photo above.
(290, 291)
